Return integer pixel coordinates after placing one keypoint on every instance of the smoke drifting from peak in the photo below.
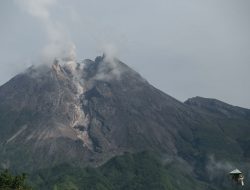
(110, 52)
(111, 69)
(59, 45)
(63, 52)
(37, 8)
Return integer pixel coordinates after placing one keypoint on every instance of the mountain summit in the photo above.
(88, 112)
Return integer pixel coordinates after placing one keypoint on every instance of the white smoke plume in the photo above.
(59, 45)
(110, 51)
(111, 69)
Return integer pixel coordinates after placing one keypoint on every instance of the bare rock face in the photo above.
(85, 113)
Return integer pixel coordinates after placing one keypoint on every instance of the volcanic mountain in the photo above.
(88, 112)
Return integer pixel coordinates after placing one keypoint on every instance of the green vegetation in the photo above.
(141, 171)
(13, 182)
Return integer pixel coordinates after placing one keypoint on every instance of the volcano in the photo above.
(85, 113)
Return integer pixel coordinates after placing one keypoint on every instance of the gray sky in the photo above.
(184, 47)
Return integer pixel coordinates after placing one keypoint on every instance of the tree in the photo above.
(13, 182)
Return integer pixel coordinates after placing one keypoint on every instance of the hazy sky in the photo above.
(184, 47)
